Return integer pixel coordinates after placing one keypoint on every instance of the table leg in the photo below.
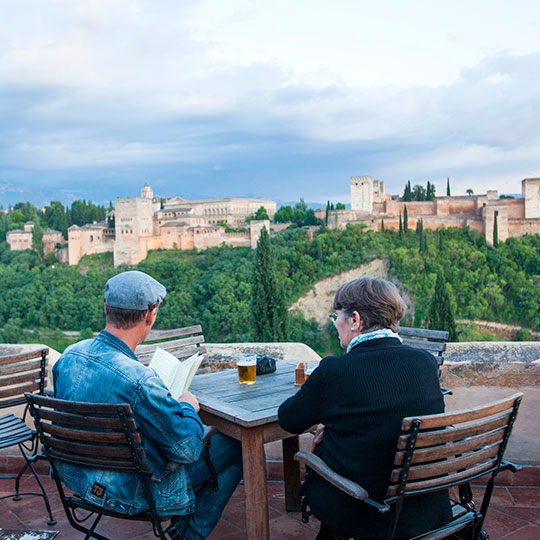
(254, 463)
(291, 474)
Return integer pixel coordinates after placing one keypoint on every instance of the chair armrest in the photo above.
(322, 469)
(507, 466)
(209, 431)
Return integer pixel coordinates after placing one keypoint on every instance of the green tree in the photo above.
(400, 233)
(407, 192)
(440, 315)
(268, 309)
(469, 192)
(382, 225)
(448, 186)
(261, 213)
(37, 237)
(430, 191)
(405, 220)
(419, 193)
(340, 206)
(496, 229)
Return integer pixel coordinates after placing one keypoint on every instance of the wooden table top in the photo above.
(221, 394)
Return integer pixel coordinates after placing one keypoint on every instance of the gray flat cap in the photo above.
(133, 290)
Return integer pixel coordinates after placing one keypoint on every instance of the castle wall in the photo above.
(516, 208)
(133, 225)
(88, 240)
(530, 188)
(488, 214)
(362, 193)
(19, 240)
(520, 227)
(50, 239)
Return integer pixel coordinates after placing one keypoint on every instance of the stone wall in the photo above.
(476, 373)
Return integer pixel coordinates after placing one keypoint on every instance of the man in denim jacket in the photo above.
(106, 370)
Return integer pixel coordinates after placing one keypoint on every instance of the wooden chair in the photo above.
(433, 341)
(20, 373)
(438, 452)
(94, 436)
(181, 342)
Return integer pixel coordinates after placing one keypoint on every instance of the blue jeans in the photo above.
(226, 457)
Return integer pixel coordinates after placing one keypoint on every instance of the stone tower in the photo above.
(362, 193)
(133, 225)
(530, 188)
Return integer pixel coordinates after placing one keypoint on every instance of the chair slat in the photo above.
(158, 335)
(94, 462)
(109, 422)
(451, 433)
(169, 345)
(18, 390)
(448, 466)
(79, 449)
(180, 353)
(81, 407)
(423, 333)
(425, 345)
(453, 449)
(91, 436)
(19, 367)
(27, 376)
(444, 481)
(459, 417)
(14, 358)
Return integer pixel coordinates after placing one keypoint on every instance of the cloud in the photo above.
(114, 92)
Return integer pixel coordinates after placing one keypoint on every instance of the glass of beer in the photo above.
(247, 369)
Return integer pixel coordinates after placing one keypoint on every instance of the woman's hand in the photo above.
(319, 434)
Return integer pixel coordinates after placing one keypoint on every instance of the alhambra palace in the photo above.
(147, 222)
(371, 206)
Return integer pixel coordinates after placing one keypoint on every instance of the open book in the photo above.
(176, 375)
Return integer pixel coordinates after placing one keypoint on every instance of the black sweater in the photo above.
(361, 398)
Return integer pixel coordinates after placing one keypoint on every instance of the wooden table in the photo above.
(248, 413)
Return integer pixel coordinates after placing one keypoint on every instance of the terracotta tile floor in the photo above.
(514, 513)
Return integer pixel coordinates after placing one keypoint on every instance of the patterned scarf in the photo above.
(376, 334)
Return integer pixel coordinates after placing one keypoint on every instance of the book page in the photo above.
(165, 365)
(192, 363)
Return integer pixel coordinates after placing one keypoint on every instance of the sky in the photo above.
(271, 99)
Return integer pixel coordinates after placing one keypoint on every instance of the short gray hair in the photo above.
(376, 300)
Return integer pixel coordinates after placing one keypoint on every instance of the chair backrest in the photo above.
(99, 436)
(20, 373)
(182, 343)
(433, 341)
(438, 451)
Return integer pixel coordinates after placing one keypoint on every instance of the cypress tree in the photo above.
(400, 234)
(440, 315)
(268, 310)
(420, 234)
(382, 225)
(448, 186)
(407, 192)
(441, 238)
(496, 230)
(37, 237)
(405, 220)
(327, 210)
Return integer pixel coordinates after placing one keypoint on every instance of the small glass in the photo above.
(247, 369)
(309, 367)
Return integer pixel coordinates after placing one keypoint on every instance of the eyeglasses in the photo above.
(333, 316)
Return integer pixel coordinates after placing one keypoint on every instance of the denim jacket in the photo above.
(105, 370)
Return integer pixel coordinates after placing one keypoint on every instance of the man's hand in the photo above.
(319, 434)
(188, 397)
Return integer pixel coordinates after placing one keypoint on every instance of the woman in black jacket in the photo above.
(361, 398)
